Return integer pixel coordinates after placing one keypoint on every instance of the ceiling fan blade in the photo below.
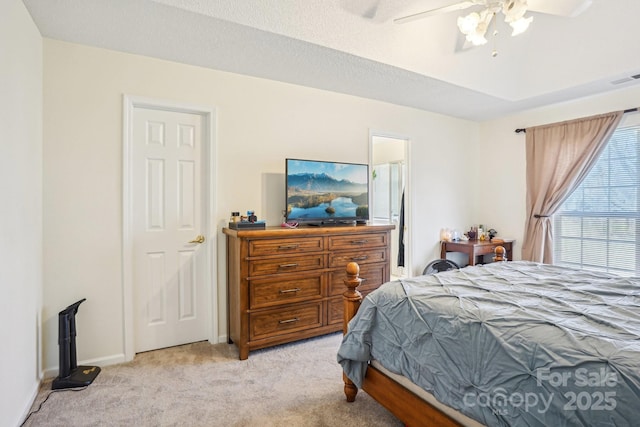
(458, 6)
(569, 8)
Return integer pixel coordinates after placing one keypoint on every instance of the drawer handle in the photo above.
(287, 291)
(288, 265)
(359, 258)
(359, 242)
(295, 319)
(287, 247)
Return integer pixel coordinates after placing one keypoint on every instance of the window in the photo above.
(598, 226)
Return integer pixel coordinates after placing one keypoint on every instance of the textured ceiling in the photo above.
(353, 47)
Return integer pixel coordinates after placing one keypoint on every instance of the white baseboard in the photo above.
(101, 361)
(29, 404)
(104, 361)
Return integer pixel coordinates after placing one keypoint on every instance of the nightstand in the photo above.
(475, 248)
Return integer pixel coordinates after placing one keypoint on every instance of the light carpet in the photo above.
(296, 384)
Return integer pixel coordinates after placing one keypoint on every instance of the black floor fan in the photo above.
(438, 265)
(71, 375)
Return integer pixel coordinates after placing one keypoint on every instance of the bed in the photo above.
(501, 344)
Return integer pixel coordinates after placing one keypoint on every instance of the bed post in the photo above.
(352, 299)
(500, 252)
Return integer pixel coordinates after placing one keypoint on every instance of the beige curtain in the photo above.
(559, 156)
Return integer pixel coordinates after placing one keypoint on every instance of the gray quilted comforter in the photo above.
(509, 344)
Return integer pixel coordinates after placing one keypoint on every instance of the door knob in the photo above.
(199, 239)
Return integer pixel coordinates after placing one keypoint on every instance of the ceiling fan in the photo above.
(475, 25)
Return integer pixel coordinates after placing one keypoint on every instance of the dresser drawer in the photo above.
(341, 259)
(372, 275)
(286, 320)
(484, 250)
(285, 246)
(355, 241)
(335, 307)
(261, 267)
(271, 292)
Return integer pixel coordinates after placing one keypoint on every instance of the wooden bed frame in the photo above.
(401, 402)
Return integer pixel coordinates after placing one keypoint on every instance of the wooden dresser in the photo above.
(286, 284)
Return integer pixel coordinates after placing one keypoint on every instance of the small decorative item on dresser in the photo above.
(250, 221)
(245, 225)
(492, 233)
(471, 234)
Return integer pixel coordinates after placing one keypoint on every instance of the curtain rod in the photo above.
(630, 110)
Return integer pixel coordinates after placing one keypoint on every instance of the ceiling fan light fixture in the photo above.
(468, 24)
(514, 10)
(474, 26)
(520, 25)
(477, 39)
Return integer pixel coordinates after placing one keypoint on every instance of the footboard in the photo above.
(403, 403)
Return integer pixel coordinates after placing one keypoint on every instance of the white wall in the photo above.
(259, 123)
(500, 201)
(20, 210)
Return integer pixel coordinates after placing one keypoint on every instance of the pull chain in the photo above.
(494, 53)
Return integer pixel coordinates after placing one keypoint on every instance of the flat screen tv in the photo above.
(326, 193)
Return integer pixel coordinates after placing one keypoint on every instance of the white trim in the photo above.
(26, 410)
(210, 190)
(114, 359)
(408, 212)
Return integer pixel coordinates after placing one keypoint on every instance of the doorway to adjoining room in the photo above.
(389, 200)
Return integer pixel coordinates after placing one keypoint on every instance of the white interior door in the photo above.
(170, 259)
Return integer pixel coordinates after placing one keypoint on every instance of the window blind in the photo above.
(597, 227)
